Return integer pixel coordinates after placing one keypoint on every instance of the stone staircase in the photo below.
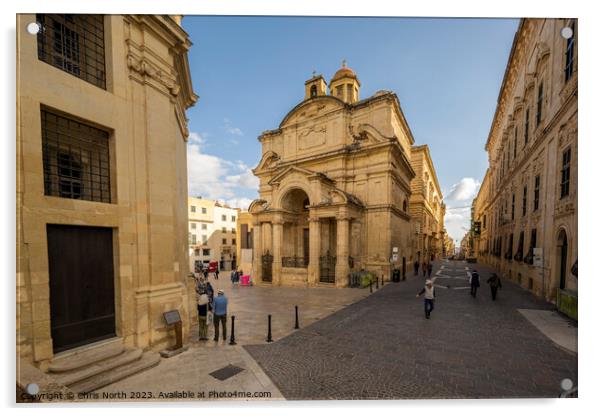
(97, 365)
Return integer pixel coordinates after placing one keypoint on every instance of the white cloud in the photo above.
(457, 222)
(231, 129)
(242, 203)
(464, 190)
(212, 177)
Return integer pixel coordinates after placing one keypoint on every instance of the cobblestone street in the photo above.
(382, 347)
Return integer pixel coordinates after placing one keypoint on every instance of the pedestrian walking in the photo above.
(495, 283)
(210, 293)
(429, 298)
(220, 314)
(216, 274)
(429, 267)
(205, 272)
(424, 269)
(474, 283)
(416, 267)
(203, 309)
(234, 277)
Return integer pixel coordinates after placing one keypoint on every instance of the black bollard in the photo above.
(377, 282)
(296, 317)
(232, 339)
(370, 285)
(269, 329)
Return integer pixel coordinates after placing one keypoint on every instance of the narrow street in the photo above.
(382, 347)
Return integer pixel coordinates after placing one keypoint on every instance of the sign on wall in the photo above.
(537, 256)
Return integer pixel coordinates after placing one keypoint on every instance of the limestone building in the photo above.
(426, 208)
(244, 242)
(528, 200)
(335, 184)
(102, 247)
(212, 234)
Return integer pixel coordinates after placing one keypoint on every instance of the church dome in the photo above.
(345, 71)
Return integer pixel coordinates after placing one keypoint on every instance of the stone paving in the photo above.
(382, 347)
(189, 371)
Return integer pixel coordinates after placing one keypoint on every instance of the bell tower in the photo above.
(345, 85)
(315, 86)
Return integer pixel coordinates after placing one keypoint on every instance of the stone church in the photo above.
(335, 183)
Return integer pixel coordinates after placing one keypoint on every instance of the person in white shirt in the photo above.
(429, 298)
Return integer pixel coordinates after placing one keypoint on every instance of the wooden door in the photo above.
(82, 295)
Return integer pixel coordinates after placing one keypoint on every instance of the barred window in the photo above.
(536, 194)
(527, 126)
(76, 159)
(515, 141)
(565, 173)
(539, 103)
(569, 55)
(525, 201)
(75, 44)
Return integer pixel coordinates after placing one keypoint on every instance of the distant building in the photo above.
(334, 187)
(527, 206)
(211, 234)
(426, 207)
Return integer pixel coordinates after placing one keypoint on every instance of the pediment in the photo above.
(291, 170)
(269, 160)
(312, 108)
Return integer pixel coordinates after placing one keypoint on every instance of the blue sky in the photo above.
(250, 71)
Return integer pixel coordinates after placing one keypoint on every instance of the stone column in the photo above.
(277, 225)
(342, 266)
(267, 237)
(257, 252)
(313, 269)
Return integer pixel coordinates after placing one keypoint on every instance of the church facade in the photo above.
(335, 185)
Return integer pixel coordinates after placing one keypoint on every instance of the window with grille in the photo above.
(527, 126)
(565, 173)
(536, 194)
(75, 44)
(539, 103)
(569, 54)
(515, 141)
(76, 159)
(524, 201)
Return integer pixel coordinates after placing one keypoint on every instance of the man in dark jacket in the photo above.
(474, 283)
(416, 267)
(429, 268)
(495, 283)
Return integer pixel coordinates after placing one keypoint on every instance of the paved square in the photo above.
(382, 347)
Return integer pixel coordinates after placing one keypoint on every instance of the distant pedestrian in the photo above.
(416, 267)
(203, 309)
(495, 283)
(220, 314)
(216, 274)
(429, 267)
(205, 272)
(429, 298)
(424, 269)
(210, 293)
(474, 283)
(234, 277)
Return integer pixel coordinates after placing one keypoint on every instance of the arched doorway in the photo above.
(562, 256)
(295, 241)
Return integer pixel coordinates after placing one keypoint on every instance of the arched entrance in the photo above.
(295, 237)
(562, 257)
